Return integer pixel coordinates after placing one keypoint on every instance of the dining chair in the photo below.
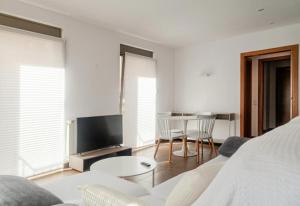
(165, 134)
(173, 126)
(204, 127)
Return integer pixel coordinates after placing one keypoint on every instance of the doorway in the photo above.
(283, 90)
(269, 89)
(276, 83)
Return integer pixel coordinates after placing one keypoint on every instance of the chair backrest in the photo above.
(164, 127)
(206, 123)
(162, 118)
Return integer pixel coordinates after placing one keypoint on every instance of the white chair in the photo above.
(165, 133)
(169, 114)
(205, 125)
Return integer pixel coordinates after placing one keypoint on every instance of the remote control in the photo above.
(145, 164)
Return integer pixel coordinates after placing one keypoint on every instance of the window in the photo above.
(139, 102)
(133, 50)
(32, 82)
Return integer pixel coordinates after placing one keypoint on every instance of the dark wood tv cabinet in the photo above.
(82, 162)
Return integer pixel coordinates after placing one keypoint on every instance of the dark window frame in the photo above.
(28, 25)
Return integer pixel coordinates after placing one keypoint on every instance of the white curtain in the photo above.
(32, 129)
(139, 107)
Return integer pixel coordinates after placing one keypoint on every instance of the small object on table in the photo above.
(145, 164)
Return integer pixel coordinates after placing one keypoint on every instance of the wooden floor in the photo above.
(163, 172)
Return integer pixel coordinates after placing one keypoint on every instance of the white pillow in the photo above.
(99, 195)
(192, 185)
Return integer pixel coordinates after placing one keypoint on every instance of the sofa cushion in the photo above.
(150, 200)
(15, 191)
(192, 184)
(98, 195)
(231, 145)
(163, 190)
(66, 188)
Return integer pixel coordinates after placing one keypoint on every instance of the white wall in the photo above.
(92, 62)
(93, 66)
(221, 91)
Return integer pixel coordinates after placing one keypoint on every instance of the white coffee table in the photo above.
(125, 166)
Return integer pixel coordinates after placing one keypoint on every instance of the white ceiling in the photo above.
(179, 22)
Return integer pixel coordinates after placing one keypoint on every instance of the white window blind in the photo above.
(32, 81)
(139, 107)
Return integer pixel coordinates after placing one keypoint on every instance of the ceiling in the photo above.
(178, 23)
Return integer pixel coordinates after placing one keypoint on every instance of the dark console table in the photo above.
(82, 162)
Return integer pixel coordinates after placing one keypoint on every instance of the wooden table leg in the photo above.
(185, 146)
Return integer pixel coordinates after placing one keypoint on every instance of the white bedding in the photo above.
(264, 171)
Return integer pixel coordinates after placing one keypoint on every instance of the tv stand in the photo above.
(82, 162)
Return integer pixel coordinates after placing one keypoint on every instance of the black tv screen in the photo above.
(98, 132)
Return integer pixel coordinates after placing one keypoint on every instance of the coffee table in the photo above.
(125, 166)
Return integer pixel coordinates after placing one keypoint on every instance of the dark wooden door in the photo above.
(283, 95)
(248, 99)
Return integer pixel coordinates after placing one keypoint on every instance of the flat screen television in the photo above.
(99, 132)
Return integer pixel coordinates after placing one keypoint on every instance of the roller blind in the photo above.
(32, 81)
(139, 107)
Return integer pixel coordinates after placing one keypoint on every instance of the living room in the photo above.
(67, 71)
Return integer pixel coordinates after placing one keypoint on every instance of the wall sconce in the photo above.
(206, 74)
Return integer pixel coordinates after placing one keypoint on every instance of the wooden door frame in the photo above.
(294, 53)
(261, 77)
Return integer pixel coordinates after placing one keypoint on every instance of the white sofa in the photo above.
(66, 188)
